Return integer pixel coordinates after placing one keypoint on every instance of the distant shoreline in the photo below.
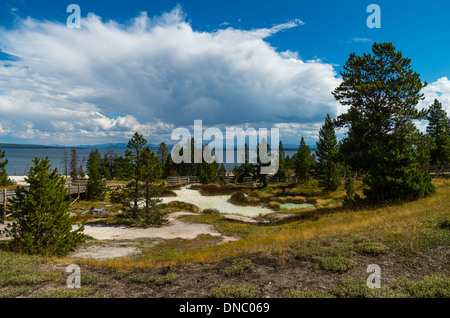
(27, 146)
(117, 146)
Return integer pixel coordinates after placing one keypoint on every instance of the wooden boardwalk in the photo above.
(437, 171)
(74, 190)
(182, 180)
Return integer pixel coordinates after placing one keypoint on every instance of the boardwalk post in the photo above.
(4, 206)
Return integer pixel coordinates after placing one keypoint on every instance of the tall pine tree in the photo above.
(327, 166)
(303, 162)
(133, 155)
(43, 224)
(162, 154)
(96, 186)
(382, 91)
(150, 173)
(282, 171)
(439, 130)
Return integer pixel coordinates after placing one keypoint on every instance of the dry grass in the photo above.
(389, 224)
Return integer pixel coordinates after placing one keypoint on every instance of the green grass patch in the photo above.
(373, 249)
(17, 269)
(352, 288)
(13, 292)
(430, 287)
(444, 224)
(336, 264)
(239, 268)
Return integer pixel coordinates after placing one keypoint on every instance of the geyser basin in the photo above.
(219, 202)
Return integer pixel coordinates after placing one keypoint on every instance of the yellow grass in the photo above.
(399, 219)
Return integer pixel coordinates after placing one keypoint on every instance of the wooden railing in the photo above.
(437, 171)
(7, 193)
(182, 180)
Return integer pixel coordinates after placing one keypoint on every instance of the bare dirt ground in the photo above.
(114, 238)
(272, 278)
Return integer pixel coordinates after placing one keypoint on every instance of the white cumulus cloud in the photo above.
(153, 74)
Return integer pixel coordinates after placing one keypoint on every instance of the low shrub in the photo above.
(274, 205)
(211, 211)
(336, 264)
(373, 249)
(239, 268)
(431, 287)
(243, 199)
(351, 288)
(444, 223)
(183, 206)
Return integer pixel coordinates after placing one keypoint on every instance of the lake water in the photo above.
(20, 159)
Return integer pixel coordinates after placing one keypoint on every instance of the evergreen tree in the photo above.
(193, 168)
(43, 224)
(246, 169)
(109, 163)
(423, 147)
(123, 169)
(382, 91)
(282, 163)
(150, 173)
(133, 155)
(4, 180)
(81, 172)
(222, 173)
(96, 186)
(303, 162)
(439, 130)
(209, 168)
(107, 169)
(327, 167)
(162, 154)
(169, 167)
(349, 189)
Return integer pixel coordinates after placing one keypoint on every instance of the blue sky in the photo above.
(230, 63)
